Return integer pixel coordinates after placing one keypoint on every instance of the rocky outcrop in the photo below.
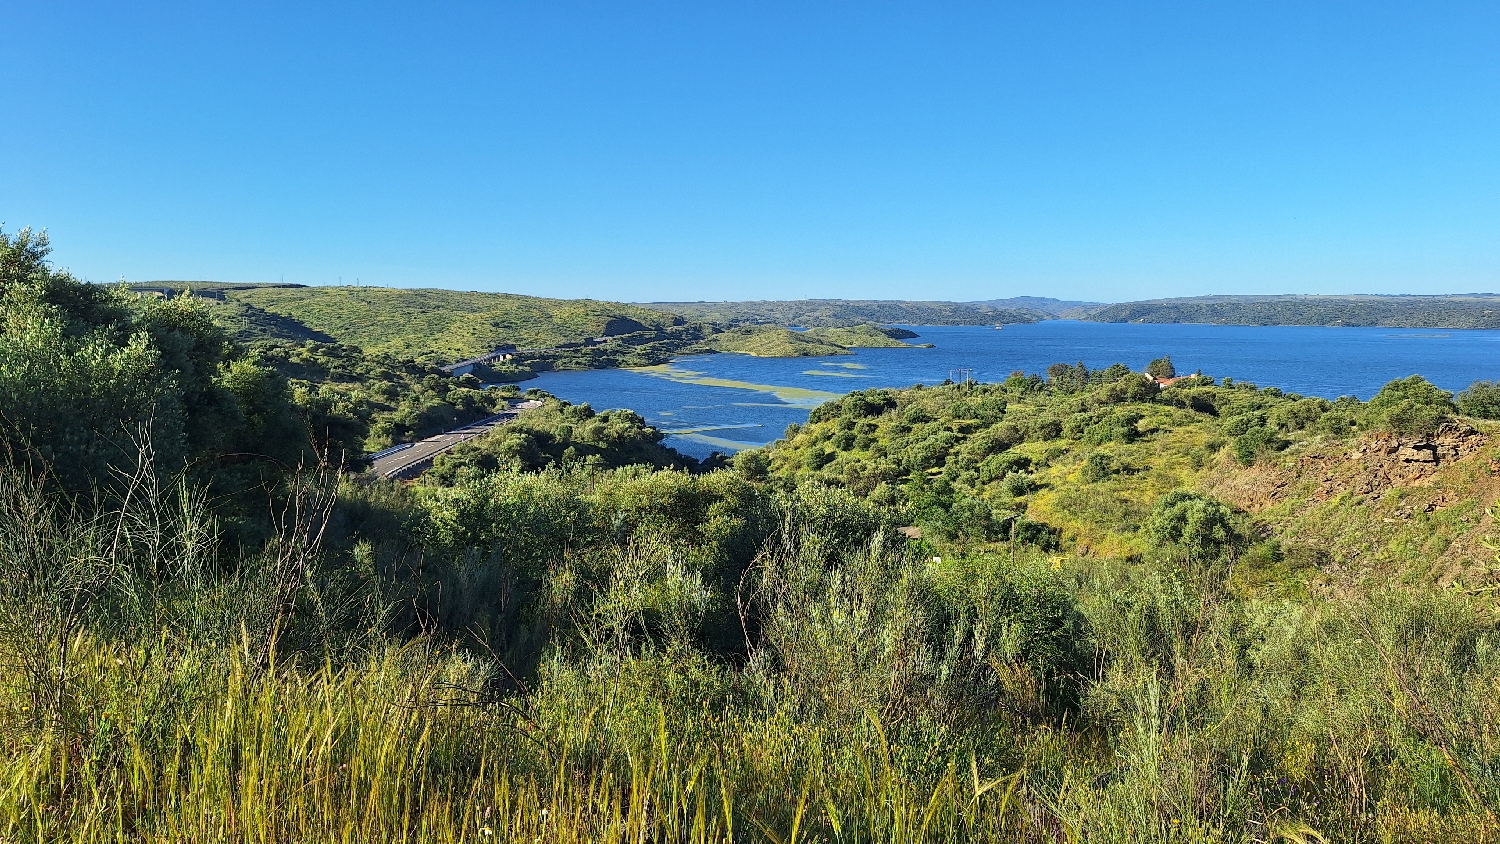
(1381, 505)
(1385, 460)
(1452, 441)
(1373, 465)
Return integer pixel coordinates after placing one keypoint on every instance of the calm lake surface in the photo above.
(728, 402)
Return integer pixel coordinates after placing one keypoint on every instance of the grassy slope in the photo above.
(1422, 530)
(1428, 528)
(1098, 518)
(442, 324)
(1317, 494)
(1101, 518)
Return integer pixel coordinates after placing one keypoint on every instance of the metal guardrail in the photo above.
(482, 422)
(473, 429)
(389, 451)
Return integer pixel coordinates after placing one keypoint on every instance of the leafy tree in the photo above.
(1202, 526)
(1036, 533)
(1255, 441)
(1409, 406)
(1131, 387)
(92, 377)
(1161, 368)
(1242, 422)
(1481, 399)
(1066, 378)
(82, 308)
(78, 403)
(1097, 467)
(1300, 415)
(971, 518)
(753, 464)
(998, 466)
(1017, 484)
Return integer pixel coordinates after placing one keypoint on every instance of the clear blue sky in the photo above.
(712, 150)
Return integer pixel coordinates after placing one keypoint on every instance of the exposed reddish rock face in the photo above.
(1386, 460)
(1452, 441)
(1373, 465)
(1381, 488)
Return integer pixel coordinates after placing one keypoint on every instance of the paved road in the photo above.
(416, 459)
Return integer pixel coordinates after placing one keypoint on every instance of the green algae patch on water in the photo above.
(790, 395)
(703, 429)
(846, 365)
(826, 374)
(721, 443)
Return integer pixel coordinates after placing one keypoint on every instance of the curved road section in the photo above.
(409, 462)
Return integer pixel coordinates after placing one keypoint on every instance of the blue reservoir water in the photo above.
(728, 402)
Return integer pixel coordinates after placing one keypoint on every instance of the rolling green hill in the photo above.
(422, 324)
(446, 325)
(432, 324)
(1477, 310)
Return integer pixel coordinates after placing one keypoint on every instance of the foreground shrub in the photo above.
(1481, 399)
(1410, 406)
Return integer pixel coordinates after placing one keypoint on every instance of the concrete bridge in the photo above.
(464, 367)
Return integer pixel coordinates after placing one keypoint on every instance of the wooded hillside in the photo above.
(846, 312)
(1460, 311)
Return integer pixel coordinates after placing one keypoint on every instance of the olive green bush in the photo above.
(1410, 406)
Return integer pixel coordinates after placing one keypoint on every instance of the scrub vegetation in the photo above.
(556, 435)
(360, 403)
(1072, 606)
(814, 342)
(446, 324)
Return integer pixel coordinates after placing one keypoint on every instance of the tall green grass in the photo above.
(156, 689)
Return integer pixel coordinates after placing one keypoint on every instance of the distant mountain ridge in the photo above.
(1062, 309)
(1464, 310)
(831, 313)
